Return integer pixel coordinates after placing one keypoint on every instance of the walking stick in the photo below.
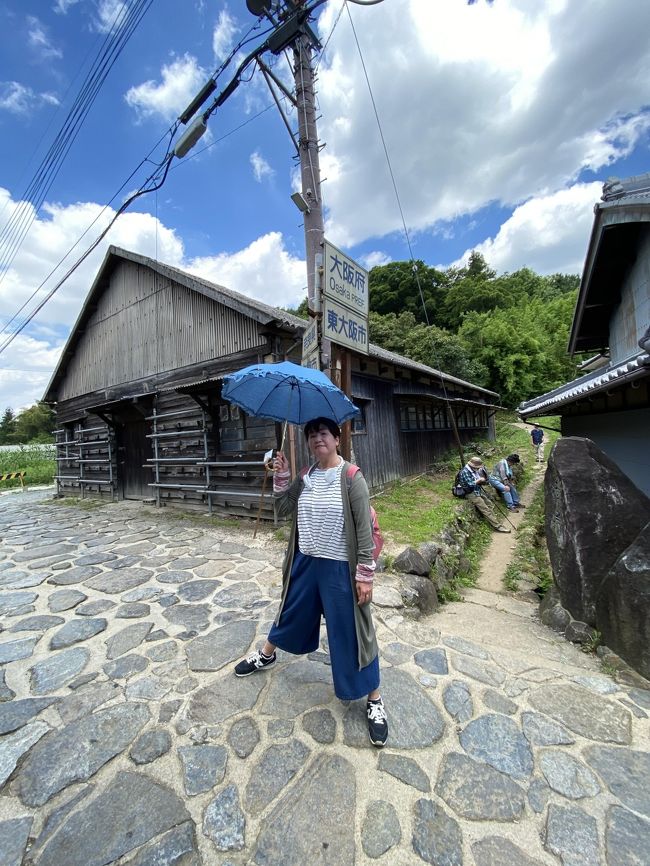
(498, 508)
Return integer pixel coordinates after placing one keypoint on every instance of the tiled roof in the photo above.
(599, 380)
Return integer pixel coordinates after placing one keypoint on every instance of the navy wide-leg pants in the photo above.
(322, 587)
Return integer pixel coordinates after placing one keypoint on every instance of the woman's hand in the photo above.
(364, 592)
(281, 464)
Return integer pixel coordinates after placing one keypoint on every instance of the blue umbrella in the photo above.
(287, 392)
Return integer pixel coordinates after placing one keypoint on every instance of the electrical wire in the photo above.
(404, 226)
(171, 132)
(124, 25)
(85, 232)
(145, 188)
(154, 179)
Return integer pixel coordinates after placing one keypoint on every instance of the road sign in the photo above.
(310, 338)
(344, 281)
(345, 327)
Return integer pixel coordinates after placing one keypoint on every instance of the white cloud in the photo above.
(223, 35)
(374, 259)
(478, 104)
(181, 80)
(39, 40)
(24, 377)
(261, 168)
(61, 6)
(264, 269)
(548, 234)
(110, 14)
(19, 99)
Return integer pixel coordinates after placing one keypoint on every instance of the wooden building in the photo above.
(611, 403)
(137, 394)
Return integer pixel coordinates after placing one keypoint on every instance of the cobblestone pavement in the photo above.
(126, 739)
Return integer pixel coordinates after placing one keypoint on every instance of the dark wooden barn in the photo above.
(137, 394)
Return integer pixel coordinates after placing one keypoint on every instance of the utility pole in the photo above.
(290, 19)
(308, 149)
(335, 363)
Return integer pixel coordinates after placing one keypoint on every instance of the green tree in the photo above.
(301, 311)
(430, 345)
(7, 426)
(35, 424)
(395, 288)
(523, 348)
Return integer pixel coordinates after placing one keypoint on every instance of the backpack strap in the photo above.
(350, 472)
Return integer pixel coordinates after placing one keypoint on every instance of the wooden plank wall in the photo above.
(385, 453)
(144, 325)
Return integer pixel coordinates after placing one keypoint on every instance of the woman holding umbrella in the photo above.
(328, 570)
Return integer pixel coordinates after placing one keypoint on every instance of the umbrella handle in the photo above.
(269, 465)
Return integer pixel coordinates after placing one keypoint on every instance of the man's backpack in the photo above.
(377, 537)
(457, 488)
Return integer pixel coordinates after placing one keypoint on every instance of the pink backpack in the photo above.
(377, 537)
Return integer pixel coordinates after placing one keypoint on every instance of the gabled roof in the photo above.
(256, 310)
(613, 246)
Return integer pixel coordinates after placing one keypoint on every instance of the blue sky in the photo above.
(502, 121)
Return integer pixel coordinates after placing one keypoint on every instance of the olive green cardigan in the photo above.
(358, 541)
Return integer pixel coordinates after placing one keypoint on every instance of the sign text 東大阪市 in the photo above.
(344, 281)
(342, 325)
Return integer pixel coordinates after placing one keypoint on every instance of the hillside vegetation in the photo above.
(508, 333)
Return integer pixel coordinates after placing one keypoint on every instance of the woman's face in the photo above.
(322, 444)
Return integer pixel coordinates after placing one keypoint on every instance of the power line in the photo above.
(164, 168)
(14, 232)
(404, 226)
(145, 188)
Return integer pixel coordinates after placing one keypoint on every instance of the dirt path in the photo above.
(499, 553)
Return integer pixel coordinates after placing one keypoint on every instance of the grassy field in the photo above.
(414, 511)
(37, 462)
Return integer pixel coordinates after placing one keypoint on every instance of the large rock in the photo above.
(419, 592)
(411, 561)
(623, 604)
(212, 651)
(593, 513)
(437, 837)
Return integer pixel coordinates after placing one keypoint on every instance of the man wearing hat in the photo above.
(537, 437)
(471, 478)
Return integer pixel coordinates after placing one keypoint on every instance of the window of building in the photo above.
(359, 423)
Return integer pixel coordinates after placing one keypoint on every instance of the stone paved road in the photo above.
(125, 738)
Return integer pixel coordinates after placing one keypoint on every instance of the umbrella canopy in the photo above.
(287, 392)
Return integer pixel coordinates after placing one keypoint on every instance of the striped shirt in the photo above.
(320, 515)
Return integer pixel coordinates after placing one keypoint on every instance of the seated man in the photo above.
(502, 479)
(471, 478)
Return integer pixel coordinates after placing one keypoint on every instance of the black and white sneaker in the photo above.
(256, 661)
(377, 723)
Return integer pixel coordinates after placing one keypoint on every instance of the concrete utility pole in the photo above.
(308, 146)
(335, 363)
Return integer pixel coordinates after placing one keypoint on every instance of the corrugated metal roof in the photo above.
(400, 361)
(203, 380)
(599, 380)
